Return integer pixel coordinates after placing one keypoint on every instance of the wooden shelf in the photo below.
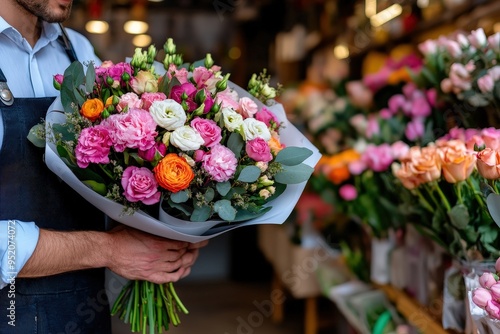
(414, 313)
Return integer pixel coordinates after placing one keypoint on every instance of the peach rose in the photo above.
(457, 162)
(92, 109)
(173, 173)
(425, 163)
(404, 173)
(488, 163)
(144, 82)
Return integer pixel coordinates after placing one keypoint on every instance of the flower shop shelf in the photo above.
(414, 313)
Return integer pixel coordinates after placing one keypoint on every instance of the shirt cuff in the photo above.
(17, 243)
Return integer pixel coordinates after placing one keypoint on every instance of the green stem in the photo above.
(424, 201)
(177, 299)
(443, 197)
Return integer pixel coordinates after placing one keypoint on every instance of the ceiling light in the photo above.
(386, 15)
(142, 41)
(135, 27)
(97, 26)
(341, 51)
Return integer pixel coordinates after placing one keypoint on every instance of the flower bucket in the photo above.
(380, 263)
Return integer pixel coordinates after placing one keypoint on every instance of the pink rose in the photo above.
(385, 113)
(488, 163)
(247, 107)
(148, 99)
(486, 280)
(373, 127)
(228, 99)
(431, 95)
(348, 192)
(198, 155)
(266, 116)
(396, 102)
(494, 42)
(481, 297)
(486, 83)
(420, 107)
(409, 89)
(356, 167)
(58, 78)
(134, 129)
(220, 163)
(258, 150)
(129, 100)
(399, 150)
(415, 129)
(93, 146)
(180, 74)
(495, 291)
(188, 90)
(139, 184)
(149, 155)
(208, 129)
(491, 137)
(428, 47)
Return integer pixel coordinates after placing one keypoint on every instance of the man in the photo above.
(53, 246)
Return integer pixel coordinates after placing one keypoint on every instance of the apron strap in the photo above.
(6, 96)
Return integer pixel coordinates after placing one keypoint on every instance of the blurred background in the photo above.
(305, 45)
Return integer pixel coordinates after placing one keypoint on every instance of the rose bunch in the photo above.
(464, 69)
(487, 295)
(443, 183)
(184, 140)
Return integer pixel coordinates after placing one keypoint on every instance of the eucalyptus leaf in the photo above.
(235, 144)
(209, 195)
(225, 210)
(291, 156)
(294, 174)
(201, 214)
(180, 196)
(90, 78)
(33, 135)
(249, 174)
(186, 210)
(223, 187)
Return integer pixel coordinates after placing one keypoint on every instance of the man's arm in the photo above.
(126, 251)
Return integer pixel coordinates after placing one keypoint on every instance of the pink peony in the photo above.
(208, 129)
(348, 192)
(220, 163)
(139, 184)
(134, 129)
(93, 146)
(148, 99)
(258, 150)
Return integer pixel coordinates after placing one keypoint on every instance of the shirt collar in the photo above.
(50, 31)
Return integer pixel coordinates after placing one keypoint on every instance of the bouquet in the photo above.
(183, 146)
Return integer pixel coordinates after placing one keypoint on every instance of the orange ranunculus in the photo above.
(92, 109)
(456, 161)
(488, 163)
(173, 173)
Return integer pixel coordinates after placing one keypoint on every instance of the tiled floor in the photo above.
(237, 308)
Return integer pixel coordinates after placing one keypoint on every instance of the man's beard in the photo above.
(42, 10)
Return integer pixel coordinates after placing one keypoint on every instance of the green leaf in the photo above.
(235, 144)
(225, 210)
(34, 138)
(90, 78)
(209, 195)
(201, 214)
(294, 174)
(223, 187)
(186, 210)
(98, 187)
(180, 196)
(243, 215)
(249, 174)
(459, 216)
(291, 156)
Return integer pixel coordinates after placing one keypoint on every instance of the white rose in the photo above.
(253, 128)
(168, 114)
(232, 120)
(186, 138)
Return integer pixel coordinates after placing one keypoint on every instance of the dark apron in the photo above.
(74, 302)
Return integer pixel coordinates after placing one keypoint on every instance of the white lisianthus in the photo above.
(186, 138)
(168, 114)
(232, 120)
(189, 160)
(253, 128)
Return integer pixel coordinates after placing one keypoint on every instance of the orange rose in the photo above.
(488, 163)
(425, 163)
(275, 145)
(457, 162)
(173, 173)
(92, 109)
